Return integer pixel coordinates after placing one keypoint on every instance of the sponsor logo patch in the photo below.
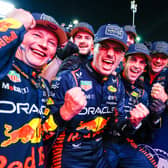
(86, 85)
(112, 89)
(14, 76)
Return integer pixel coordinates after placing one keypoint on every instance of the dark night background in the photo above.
(151, 19)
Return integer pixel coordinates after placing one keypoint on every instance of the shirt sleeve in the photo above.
(11, 35)
(63, 82)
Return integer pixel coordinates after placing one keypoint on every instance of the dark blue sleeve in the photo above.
(145, 99)
(11, 35)
(121, 98)
(123, 124)
(63, 82)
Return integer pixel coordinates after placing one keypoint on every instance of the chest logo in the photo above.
(135, 94)
(112, 89)
(86, 85)
(14, 76)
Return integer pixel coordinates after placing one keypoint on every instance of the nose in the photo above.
(43, 44)
(137, 64)
(158, 59)
(110, 53)
(82, 40)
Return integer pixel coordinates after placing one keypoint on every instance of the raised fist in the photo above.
(74, 102)
(158, 92)
(157, 107)
(23, 16)
(138, 113)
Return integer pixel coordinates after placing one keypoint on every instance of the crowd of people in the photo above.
(80, 99)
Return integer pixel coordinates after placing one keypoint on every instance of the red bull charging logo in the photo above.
(30, 132)
(9, 23)
(94, 125)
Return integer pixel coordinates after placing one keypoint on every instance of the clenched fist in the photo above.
(158, 92)
(75, 101)
(138, 113)
(23, 16)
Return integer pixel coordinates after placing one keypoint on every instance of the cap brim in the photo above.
(81, 29)
(160, 52)
(60, 33)
(112, 39)
(133, 53)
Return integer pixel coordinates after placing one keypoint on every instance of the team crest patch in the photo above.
(112, 88)
(86, 85)
(114, 30)
(135, 94)
(14, 76)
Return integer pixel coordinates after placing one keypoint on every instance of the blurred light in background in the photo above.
(5, 8)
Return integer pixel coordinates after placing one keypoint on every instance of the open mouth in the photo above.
(83, 46)
(108, 61)
(107, 64)
(37, 52)
(134, 71)
(157, 65)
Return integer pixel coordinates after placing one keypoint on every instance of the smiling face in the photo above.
(38, 46)
(105, 54)
(158, 62)
(84, 41)
(133, 67)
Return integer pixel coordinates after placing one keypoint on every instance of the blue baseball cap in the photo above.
(51, 24)
(159, 47)
(130, 29)
(82, 26)
(138, 48)
(112, 32)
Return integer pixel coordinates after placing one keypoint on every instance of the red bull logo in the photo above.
(4, 26)
(9, 23)
(30, 132)
(30, 160)
(94, 125)
(50, 124)
(4, 40)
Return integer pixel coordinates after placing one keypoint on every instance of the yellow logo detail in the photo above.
(50, 101)
(50, 124)
(9, 23)
(112, 88)
(135, 94)
(94, 125)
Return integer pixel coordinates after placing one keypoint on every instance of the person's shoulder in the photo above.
(66, 74)
(61, 77)
(63, 73)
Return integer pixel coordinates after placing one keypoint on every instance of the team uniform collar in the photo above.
(100, 78)
(31, 72)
